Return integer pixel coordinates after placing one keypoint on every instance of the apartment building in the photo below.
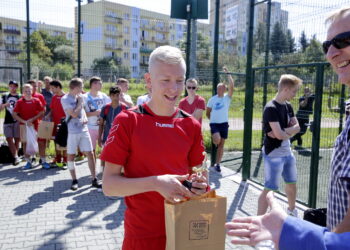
(127, 33)
(13, 34)
(233, 22)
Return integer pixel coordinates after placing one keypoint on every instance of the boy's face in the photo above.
(167, 83)
(290, 92)
(55, 90)
(35, 87)
(77, 90)
(124, 86)
(13, 88)
(96, 85)
(114, 97)
(27, 92)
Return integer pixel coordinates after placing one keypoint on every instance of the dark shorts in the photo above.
(221, 128)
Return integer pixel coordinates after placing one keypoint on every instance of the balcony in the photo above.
(13, 51)
(144, 64)
(11, 42)
(109, 19)
(145, 50)
(161, 40)
(112, 46)
(161, 29)
(11, 31)
(113, 33)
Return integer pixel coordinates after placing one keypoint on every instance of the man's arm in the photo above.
(294, 126)
(277, 132)
(169, 186)
(344, 225)
(100, 130)
(198, 114)
(125, 101)
(208, 112)
(74, 113)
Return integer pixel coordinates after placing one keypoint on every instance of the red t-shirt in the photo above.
(40, 97)
(27, 109)
(198, 103)
(57, 111)
(148, 145)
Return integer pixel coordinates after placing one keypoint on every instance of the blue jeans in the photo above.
(275, 167)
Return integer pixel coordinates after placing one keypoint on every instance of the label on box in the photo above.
(199, 229)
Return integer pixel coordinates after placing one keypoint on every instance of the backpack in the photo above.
(62, 133)
(108, 107)
(317, 216)
(6, 155)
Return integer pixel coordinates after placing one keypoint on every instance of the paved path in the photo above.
(38, 211)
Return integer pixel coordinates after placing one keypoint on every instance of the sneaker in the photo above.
(293, 213)
(217, 168)
(33, 161)
(79, 158)
(16, 161)
(97, 185)
(28, 166)
(74, 185)
(46, 165)
(61, 165)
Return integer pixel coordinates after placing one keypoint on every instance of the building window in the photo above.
(134, 69)
(126, 16)
(134, 44)
(126, 55)
(126, 43)
(126, 30)
(134, 56)
(135, 31)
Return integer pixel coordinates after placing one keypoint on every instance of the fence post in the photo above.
(215, 69)
(79, 39)
(316, 136)
(249, 92)
(188, 42)
(28, 41)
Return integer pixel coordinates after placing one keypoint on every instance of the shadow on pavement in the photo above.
(18, 174)
(238, 200)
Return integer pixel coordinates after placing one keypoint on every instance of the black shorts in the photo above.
(221, 128)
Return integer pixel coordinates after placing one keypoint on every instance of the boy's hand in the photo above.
(170, 187)
(199, 184)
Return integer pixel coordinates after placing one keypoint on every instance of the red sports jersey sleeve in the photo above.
(41, 98)
(57, 111)
(118, 141)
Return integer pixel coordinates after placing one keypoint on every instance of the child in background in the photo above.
(107, 115)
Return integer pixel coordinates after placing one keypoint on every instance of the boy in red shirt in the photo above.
(27, 111)
(193, 104)
(157, 145)
(56, 114)
(41, 142)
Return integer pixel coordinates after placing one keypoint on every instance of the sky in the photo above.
(305, 15)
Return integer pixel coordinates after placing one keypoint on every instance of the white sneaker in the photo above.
(293, 213)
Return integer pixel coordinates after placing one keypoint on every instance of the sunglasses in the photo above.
(340, 41)
(189, 87)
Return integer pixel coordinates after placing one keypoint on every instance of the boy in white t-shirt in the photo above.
(124, 97)
(94, 100)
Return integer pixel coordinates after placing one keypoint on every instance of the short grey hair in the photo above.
(338, 14)
(166, 54)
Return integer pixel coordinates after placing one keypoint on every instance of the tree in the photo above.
(303, 41)
(63, 54)
(109, 68)
(38, 46)
(260, 38)
(314, 52)
(278, 42)
(290, 42)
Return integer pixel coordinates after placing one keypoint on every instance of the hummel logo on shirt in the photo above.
(164, 125)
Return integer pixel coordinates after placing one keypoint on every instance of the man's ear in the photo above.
(147, 77)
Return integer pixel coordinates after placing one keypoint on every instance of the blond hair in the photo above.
(76, 82)
(289, 81)
(47, 78)
(166, 54)
(27, 85)
(336, 15)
